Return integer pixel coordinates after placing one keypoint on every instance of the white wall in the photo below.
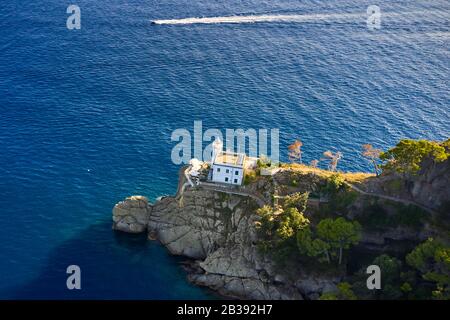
(220, 174)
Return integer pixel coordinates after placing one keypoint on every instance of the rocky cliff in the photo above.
(217, 231)
(429, 187)
(131, 215)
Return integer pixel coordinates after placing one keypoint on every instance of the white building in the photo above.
(227, 167)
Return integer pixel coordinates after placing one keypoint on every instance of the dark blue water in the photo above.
(86, 116)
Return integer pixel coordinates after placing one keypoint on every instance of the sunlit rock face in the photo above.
(131, 215)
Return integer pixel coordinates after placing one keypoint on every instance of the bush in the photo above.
(344, 292)
(432, 261)
(344, 198)
(250, 176)
(375, 217)
(407, 156)
(296, 200)
(395, 185)
(277, 229)
(409, 216)
(334, 183)
(263, 162)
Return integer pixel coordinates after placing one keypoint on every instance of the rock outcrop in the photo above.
(430, 186)
(217, 231)
(132, 215)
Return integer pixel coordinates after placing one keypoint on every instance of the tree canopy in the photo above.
(432, 260)
(407, 156)
(281, 223)
(330, 239)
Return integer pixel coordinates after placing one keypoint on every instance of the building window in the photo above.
(236, 173)
(218, 169)
(226, 179)
(227, 171)
(235, 180)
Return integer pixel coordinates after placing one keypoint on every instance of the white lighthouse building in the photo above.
(227, 167)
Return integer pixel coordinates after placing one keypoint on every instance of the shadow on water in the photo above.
(113, 266)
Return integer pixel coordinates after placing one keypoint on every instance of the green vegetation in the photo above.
(278, 226)
(290, 222)
(285, 232)
(375, 217)
(319, 242)
(340, 195)
(344, 292)
(407, 156)
(329, 239)
(334, 184)
(425, 275)
(343, 199)
(395, 185)
(432, 260)
(294, 183)
(409, 216)
(263, 162)
(391, 280)
(296, 200)
(250, 176)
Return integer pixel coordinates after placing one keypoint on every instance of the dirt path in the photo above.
(395, 199)
(230, 189)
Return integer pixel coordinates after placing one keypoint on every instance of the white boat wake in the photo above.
(297, 18)
(261, 18)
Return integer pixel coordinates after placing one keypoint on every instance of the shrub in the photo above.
(375, 217)
(278, 227)
(395, 185)
(409, 216)
(263, 162)
(250, 176)
(344, 292)
(296, 200)
(334, 183)
(432, 260)
(407, 156)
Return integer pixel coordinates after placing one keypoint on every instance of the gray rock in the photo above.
(131, 215)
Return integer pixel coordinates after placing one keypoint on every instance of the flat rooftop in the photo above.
(230, 159)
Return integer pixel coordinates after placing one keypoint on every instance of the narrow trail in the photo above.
(395, 199)
(222, 188)
(261, 202)
(382, 196)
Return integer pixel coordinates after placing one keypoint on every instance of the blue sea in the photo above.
(86, 115)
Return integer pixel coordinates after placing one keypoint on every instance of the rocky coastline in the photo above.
(216, 231)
